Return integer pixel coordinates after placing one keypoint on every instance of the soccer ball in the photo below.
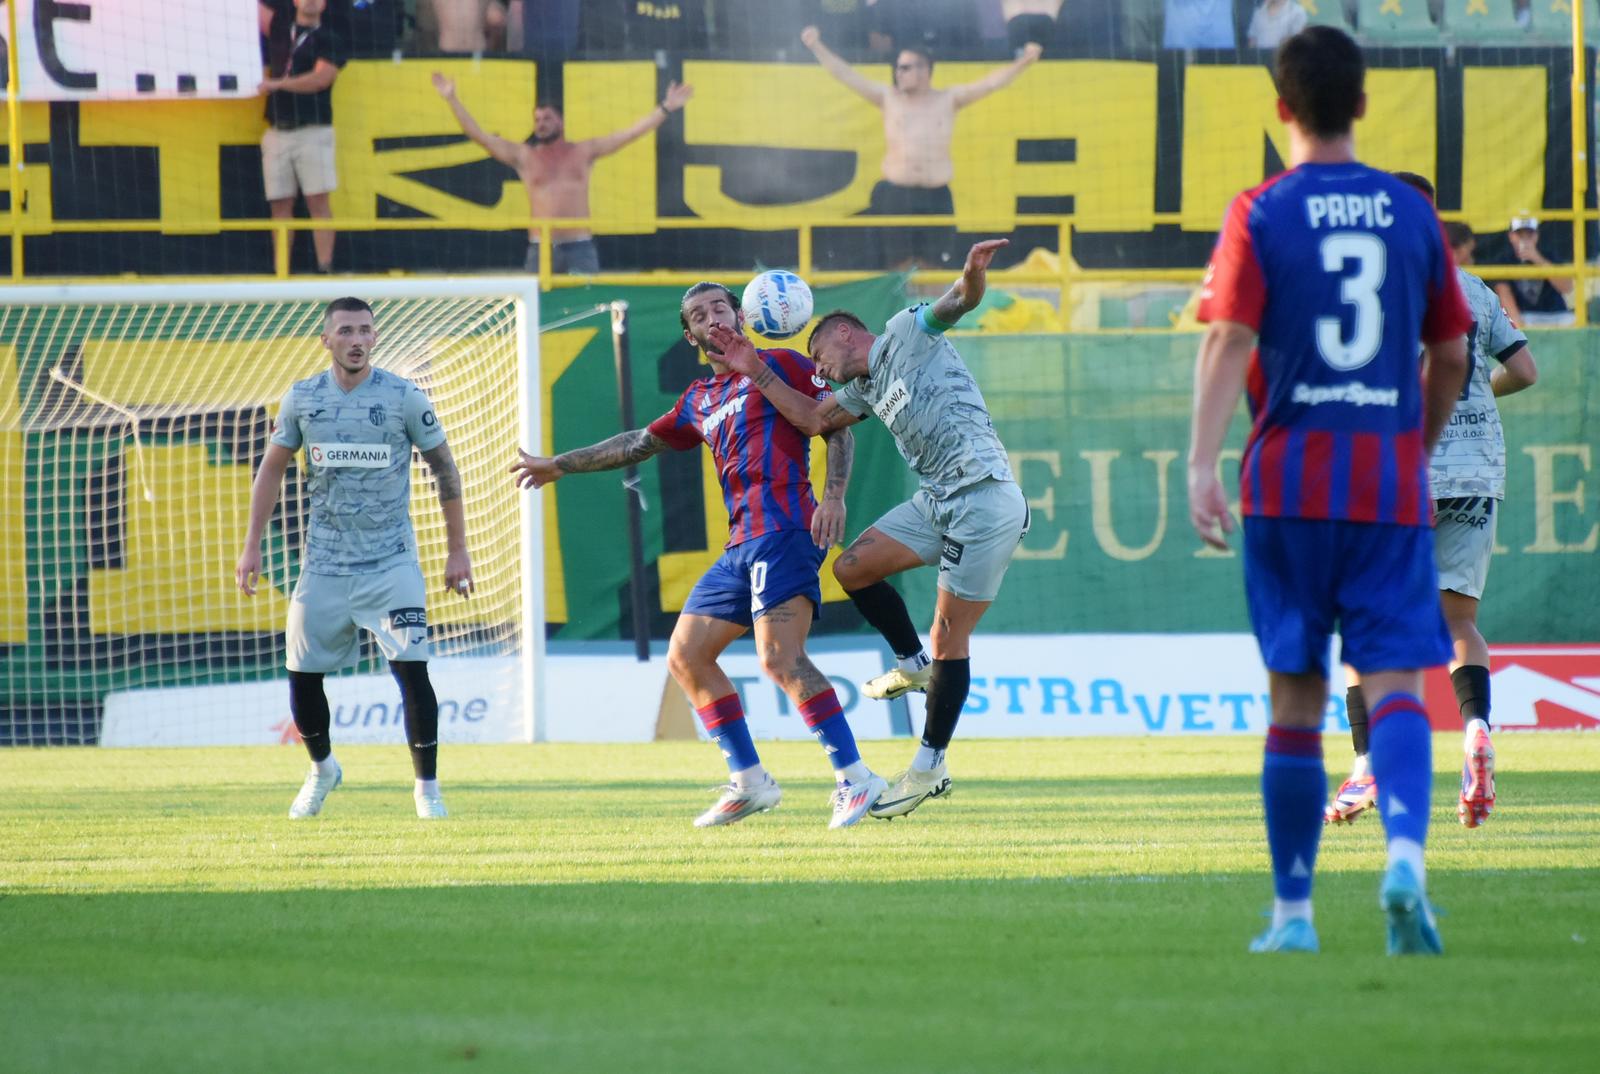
(776, 304)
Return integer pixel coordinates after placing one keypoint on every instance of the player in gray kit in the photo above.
(968, 515)
(1468, 480)
(358, 425)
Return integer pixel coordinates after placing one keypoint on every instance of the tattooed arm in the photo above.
(624, 449)
(457, 563)
(827, 525)
(814, 417)
(965, 294)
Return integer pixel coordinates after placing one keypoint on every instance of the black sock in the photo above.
(1472, 691)
(422, 715)
(309, 707)
(1355, 705)
(947, 693)
(881, 605)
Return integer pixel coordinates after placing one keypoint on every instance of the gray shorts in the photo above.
(1463, 540)
(326, 609)
(971, 534)
(581, 257)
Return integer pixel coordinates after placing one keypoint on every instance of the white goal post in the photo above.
(132, 419)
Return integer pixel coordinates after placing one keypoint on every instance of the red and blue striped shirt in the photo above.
(1343, 271)
(763, 461)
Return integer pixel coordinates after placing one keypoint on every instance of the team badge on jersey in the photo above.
(376, 415)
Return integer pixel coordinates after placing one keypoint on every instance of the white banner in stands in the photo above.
(75, 50)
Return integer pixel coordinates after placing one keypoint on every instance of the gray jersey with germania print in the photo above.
(920, 388)
(358, 466)
(1471, 457)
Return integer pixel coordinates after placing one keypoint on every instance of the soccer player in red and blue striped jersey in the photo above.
(1326, 283)
(766, 577)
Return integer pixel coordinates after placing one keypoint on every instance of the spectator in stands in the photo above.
(640, 28)
(1275, 21)
(471, 26)
(931, 25)
(1198, 24)
(549, 28)
(297, 150)
(555, 172)
(1537, 301)
(918, 122)
(1030, 21)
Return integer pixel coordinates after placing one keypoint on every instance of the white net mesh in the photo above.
(129, 436)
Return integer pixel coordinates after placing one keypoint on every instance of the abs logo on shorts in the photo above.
(359, 456)
(408, 617)
(950, 552)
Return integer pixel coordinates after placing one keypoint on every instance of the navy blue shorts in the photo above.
(1375, 583)
(758, 574)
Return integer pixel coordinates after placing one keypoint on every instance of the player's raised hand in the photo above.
(445, 86)
(458, 573)
(735, 349)
(1208, 507)
(533, 472)
(827, 524)
(247, 572)
(677, 96)
(1031, 51)
(811, 37)
(979, 257)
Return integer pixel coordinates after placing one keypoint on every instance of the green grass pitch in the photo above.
(1075, 905)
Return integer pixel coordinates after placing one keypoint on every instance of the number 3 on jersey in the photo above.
(1358, 288)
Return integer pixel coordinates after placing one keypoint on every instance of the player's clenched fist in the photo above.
(532, 471)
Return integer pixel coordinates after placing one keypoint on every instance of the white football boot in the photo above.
(736, 803)
(910, 789)
(852, 800)
(897, 682)
(430, 805)
(308, 803)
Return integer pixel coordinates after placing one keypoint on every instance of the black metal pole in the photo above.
(630, 481)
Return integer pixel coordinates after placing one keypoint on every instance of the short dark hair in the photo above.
(1320, 76)
(1417, 182)
(1458, 233)
(553, 105)
(347, 304)
(915, 50)
(700, 289)
(829, 318)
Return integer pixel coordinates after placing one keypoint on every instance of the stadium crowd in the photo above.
(978, 29)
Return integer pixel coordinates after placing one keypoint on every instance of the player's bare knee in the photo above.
(848, 573)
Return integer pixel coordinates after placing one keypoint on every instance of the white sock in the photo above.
(1288, 909)
(927, 759)
(915, 662)
(429, 787)
(852, 773)
(1409, 850)
(1474, 725)
(749, 777)
(327, 766)
(1361, 768)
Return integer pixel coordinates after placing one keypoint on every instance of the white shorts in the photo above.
(327, 609)
(298, 160)
(971, 535)
(1463, 540)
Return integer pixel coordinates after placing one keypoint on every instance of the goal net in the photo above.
(132, 421)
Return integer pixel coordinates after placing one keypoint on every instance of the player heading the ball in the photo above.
(968, 516)
(766, 577)
(1326, 283)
